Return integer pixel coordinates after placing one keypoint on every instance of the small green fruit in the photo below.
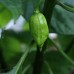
(39, 28)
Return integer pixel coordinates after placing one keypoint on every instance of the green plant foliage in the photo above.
(5, 16)
(65, 24)
(65, 41)
(19, 50)
(11, 44)
(15, 6)
(11, 47)
(58, 64)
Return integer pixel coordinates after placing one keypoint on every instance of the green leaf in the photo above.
(59, 48)
(21, 61)
(62, 20)
(66, 6)
(65, 40)
(28, 63)
(29, 6)
(11, 44)
(46, 68)
(11, 50)
(5, 16)
(15, 6)
(17, 68)
(58, 63)
(24, 66)
(71, 51)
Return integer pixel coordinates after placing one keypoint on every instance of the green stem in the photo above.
(48, 12)
(38, 5)
(66, 7)
(38, 62)
(48, 67)
(39, 59)
(62, 52)
(26, 69)
(48, 9)
(22, 59)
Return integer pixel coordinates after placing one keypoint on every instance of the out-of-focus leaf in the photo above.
(11, 50)
(5, 16)
(15, 6)
(25, 64)
(29, 6)
(22, 59)
(29, 61)
(71, 52)
(26, 26)
(11, 44)
(65, 40)
(24, 36)
(58, 63)
(46, 68)
(62, 20)
(13, 71)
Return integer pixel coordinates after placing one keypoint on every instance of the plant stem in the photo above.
(48, 67)
(38, 62)
(38, 5)
(23, 58)
(39, 59)
(48, 9)
(25, 69)
(66, 7)
(21, 61)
